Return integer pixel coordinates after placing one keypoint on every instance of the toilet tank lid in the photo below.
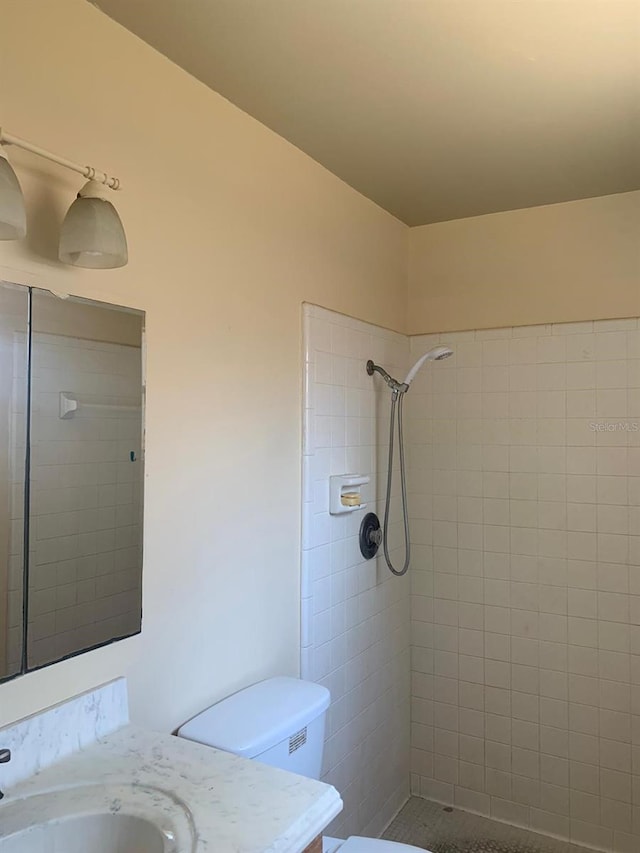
(258, 717)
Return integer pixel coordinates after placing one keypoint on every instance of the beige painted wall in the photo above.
(230, 228)
(579, 260)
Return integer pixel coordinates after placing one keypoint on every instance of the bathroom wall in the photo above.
(525, 494)
(550, 264)
(230, 229)
(355, 614)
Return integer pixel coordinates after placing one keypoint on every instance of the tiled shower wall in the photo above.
(355, 614)
(525, 503)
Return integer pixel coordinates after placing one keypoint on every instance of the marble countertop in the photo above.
(236, 805)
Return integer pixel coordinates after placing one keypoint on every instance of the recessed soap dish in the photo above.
(345, 493)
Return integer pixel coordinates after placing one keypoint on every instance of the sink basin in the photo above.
(98, 833)
(125, 818)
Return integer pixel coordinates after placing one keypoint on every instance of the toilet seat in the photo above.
(358, 844)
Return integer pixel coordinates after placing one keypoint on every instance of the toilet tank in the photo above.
(279, 721)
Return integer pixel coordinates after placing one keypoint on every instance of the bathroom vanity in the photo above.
(83, 766)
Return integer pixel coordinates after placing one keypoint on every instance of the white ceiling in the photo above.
(435, 109)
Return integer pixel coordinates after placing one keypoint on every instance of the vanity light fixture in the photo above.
(13, 218)
(92, 235)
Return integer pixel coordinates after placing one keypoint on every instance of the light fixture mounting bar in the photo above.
(87, 171)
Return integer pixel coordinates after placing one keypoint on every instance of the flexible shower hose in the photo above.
(396, 399)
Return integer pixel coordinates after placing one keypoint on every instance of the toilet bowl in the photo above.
(359, 844)
(280, 722)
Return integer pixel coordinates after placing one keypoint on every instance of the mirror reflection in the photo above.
(76, 368)
(14, 313)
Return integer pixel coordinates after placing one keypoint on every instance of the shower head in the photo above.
(435, 354)
(438, 353)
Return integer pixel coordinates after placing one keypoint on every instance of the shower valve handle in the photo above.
(375, 537)
(370, 535)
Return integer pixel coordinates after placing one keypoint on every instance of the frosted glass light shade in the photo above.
(13, 218)
(92, 234)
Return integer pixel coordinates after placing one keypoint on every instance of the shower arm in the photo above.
(396, 387)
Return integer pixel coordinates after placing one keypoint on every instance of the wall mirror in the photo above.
(71, 476)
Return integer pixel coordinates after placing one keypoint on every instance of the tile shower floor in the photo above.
(427, 824)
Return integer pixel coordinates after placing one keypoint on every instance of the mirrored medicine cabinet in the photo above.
(71, 476)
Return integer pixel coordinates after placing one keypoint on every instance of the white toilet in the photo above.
(279, 722)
